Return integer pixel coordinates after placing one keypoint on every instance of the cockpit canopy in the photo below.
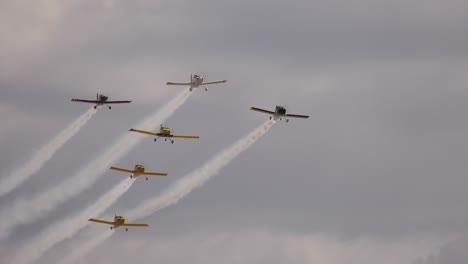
(280, 110)
(196, 76)
(103, 97)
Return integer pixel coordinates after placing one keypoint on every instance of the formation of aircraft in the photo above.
(279, 113)
(100, 100)
(195, 82)
(164, 132)
(118, 221)
(139, 170)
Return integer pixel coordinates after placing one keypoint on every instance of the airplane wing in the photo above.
(215, 82)
(135, 224)
(183, 136)
(297, 116)
(101, 221)
(144, 131)
(262, 110)
(118, 102)
(155, 173)
(86, 101)
(174, 83)
(121, 169)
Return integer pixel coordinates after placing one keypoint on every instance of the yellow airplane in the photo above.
(118, 221)
(164, 132)
(139, 170)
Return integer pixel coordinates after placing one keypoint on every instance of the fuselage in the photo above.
(164, 132)
(102, 99)
(280, 111)
(139, 169)
(196, 81)
(118, 221)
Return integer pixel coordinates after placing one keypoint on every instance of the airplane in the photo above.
(164, 132)
(139, 170)
(279, 113)
(100, 100)
(195, 82)
(118, 221)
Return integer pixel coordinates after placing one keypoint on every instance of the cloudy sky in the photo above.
(375, 175)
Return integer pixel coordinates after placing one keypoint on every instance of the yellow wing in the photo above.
(101, 221)
(143, 131)
(155, 173)
(135, 224)
(185, 136)
(121, 169)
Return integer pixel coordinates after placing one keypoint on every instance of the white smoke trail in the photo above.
(196, 178)
(59, 231)
(87, 247)
(20, 175)
(183, 186)
(24, 210)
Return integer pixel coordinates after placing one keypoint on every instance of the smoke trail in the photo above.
(186, 184)
(84, 250)
(20, 175)
(24, 211)
(196, 178)
(62, 230)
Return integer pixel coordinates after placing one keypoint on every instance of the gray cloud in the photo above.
(381, 158)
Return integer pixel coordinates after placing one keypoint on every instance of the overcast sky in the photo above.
(375, 175)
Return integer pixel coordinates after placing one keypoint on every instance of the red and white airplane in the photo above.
(195, 82)
(100, 100)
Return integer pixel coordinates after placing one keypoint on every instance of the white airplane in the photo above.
(195, 82)
(279, 113)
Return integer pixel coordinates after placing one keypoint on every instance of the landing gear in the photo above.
(191, 89)
(131, 176)
(271, 117)
(146, 178)
(172, 141)
(206, 89)
(126, 229)
(109, 107)
(155, 139)
(287, 120)
(111, 227)
(95, 107)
